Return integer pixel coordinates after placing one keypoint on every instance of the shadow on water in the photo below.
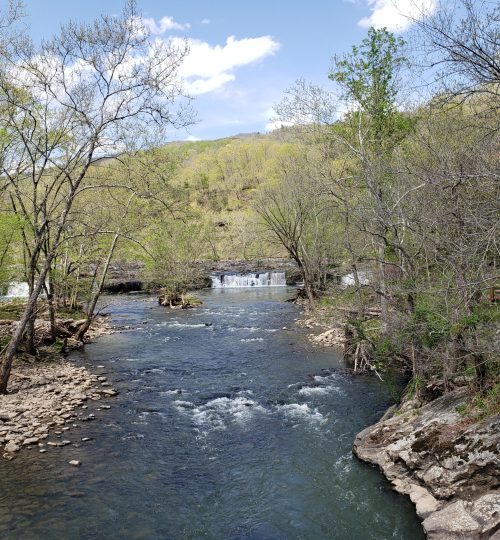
(228, 426)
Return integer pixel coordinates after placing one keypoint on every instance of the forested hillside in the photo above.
(404, 197)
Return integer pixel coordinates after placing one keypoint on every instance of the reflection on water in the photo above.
(227, 427)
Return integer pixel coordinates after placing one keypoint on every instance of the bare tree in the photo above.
(77, 99)
(301, 219)
(463, 40)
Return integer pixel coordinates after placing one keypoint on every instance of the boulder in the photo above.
(446, 464)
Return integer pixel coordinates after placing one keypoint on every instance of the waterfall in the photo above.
(254, 279)
(17, 289)
(349, 281)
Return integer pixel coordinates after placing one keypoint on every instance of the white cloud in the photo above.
(277, 124)
(208, 67)
(397, 15)
(192, 138)
(164, 24)
(205, 21)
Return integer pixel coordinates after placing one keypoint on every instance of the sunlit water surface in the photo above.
(227, 426)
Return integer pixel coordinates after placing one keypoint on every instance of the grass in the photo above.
(13, 309)
(482, 405)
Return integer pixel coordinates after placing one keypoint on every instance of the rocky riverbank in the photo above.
(328, 331)
(45, 401)
(47, 395)
(446, 463)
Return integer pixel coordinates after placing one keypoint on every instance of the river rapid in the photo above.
(228, 426)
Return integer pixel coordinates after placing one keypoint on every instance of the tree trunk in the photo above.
(95, 297)
(29, 332)
(8, 356)
(52, 312)
(384, 308)
(10, 351)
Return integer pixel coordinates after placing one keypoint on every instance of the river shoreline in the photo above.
(448, 465)
(445, 463)
(47, 398)
(449, 477)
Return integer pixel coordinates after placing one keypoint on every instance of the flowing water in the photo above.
(229, 280)
(228, 426)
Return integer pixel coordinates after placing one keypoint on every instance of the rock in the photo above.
(109, 392)
(330, 338)
(7, 416)
(75, 463)
(30, 440)
(12, 447)
(454, 518)
(446, 465)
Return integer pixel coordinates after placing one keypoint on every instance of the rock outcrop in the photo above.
(447, 464)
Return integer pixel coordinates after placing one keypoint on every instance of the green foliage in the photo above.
(482, 314)
(461, 409)
(12, 309)
(368, 76)
(482, 404)
(10, 234)
(385, 351)
(428, 322)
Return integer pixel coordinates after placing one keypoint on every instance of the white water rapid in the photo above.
(254, 279)
(17, 289)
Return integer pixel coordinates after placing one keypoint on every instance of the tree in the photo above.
(297, 214)
(81, 97)
(177, 251)
(368, 77)
(463, 40)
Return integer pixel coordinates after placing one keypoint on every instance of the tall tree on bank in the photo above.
(368, 77)
(81, 97)
(297, 214)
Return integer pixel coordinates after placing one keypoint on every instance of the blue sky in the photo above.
(244, 54)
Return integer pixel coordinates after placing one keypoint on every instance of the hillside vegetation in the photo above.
(403, 198)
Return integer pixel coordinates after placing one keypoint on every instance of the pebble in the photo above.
(12, 447)
(75, 463)
(45, 399)
(30, 440)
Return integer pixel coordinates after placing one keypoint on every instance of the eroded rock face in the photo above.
(448, 466)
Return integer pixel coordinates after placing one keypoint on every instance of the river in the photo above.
(228, 426)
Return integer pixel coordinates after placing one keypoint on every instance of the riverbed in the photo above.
(229, 425)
